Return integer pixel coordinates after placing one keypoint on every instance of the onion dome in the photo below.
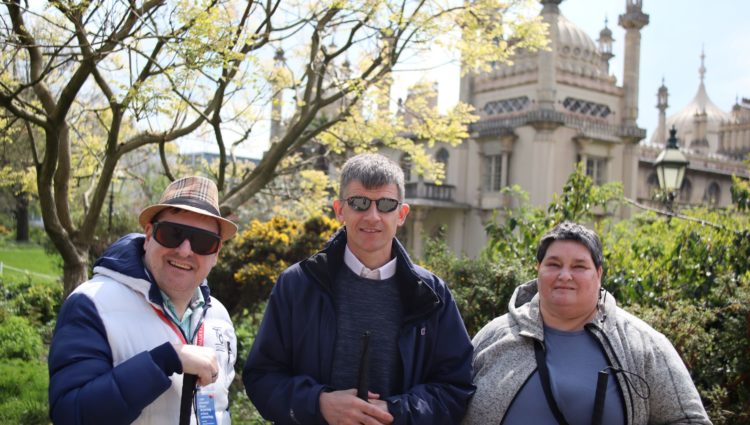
(698, 123)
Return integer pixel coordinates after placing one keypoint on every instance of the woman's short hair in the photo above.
(569, 231)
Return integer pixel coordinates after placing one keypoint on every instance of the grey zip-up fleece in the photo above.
(504, 360)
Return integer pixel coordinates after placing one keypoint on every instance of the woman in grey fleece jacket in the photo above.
(655, 388)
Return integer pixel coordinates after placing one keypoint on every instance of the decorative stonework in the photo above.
(585, 107)
(506, 106)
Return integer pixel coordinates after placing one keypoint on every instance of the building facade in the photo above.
(549, 110)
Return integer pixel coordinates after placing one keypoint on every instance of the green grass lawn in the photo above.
(31, 258)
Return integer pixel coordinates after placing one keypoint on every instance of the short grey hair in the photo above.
(569, 231)
(372, 170)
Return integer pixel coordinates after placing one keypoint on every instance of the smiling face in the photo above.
(369, 234)
(569, 283)
(178, 271)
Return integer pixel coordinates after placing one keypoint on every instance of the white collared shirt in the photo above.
(384, 272)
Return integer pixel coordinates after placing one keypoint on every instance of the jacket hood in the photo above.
(523, 308)
(125, 256)
(418, 297)
(123, 261)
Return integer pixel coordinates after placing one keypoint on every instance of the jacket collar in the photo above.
(123, 262)
(523, 308)
(418, 297)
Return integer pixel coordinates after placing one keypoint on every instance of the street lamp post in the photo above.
(670, 169)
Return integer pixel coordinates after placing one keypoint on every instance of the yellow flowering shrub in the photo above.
(251, 262)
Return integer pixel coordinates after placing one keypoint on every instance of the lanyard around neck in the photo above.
(188, 381)
(178, 331)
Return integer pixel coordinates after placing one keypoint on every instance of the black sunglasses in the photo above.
(171, 235)
(361, 203)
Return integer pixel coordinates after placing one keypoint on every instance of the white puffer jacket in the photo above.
(134, 326)
(110, 357)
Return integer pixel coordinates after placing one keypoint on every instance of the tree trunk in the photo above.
(74, 274)
(22, 217)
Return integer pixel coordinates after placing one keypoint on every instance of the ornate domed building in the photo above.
(539, 117)
(546, 112)
(714, 141)
(697, 124)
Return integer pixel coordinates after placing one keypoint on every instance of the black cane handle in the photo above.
(186, 402)
(363, 381)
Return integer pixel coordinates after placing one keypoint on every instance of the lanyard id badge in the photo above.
(188, 382)
(205, 408)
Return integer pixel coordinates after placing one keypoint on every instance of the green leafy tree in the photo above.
(110, 77)
(713, 342)
(16, 175)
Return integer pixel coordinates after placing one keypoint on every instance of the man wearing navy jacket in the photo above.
(310, 363)
(125, 338)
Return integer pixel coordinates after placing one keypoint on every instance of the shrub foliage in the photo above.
(28, 310)
(23, 385)
(689, 277)
(252, 261)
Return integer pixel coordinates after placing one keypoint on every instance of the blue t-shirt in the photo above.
(574, 360)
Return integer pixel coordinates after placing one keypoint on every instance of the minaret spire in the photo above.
(702, 69)
(662, 103)
(605, 46)
(546, 90)
(633, 20)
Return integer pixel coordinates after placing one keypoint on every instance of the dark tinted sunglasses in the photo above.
(171, 235)
(361, 203)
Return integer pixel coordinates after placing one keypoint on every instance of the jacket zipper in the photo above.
(200, 321)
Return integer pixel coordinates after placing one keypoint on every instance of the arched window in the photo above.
(406, 166)
(686, 191)
(713, 194)
(442, 157)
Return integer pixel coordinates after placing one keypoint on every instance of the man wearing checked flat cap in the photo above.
(130, 341)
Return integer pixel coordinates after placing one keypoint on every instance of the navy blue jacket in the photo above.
(290, 361)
